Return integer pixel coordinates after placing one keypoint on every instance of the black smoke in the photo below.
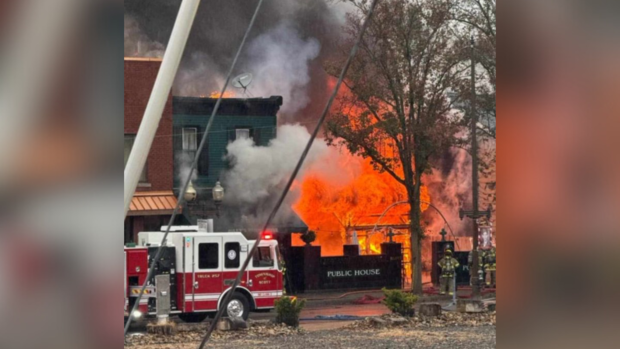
(215, 37)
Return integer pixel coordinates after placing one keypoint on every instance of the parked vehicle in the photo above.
(197, 269)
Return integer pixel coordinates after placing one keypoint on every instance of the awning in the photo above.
(152, 203)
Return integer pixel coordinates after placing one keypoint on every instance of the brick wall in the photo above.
(140, 75)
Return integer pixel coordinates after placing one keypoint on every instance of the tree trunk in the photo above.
(414, 226)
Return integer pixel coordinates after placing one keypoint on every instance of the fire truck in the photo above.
(197, 269)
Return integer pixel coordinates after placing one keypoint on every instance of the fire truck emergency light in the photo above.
(267, 235)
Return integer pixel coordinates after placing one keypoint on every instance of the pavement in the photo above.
(361, 310)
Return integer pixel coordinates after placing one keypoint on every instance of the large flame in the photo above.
(334, 211)
(330, 209)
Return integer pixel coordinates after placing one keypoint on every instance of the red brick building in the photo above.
(154, 200)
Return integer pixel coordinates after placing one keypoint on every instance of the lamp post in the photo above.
(218, 196)
(475, 213)
(190, 193)
(199, 208)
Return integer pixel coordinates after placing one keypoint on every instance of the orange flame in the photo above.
(217, 94)
(333, 211)
(330, 210)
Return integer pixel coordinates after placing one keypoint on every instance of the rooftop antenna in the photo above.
(242, 81)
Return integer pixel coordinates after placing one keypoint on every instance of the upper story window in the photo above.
(190, 137)
(129, 141)
(242, 133)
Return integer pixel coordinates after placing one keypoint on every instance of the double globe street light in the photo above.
(217, 192)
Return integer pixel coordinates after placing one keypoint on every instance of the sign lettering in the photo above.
(353, 273)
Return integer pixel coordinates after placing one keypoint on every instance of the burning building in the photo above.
(248, 122)
(249, 118)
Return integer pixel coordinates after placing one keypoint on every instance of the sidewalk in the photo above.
(348, 297)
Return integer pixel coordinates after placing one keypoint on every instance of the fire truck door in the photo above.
(207, 273)
(265, 278)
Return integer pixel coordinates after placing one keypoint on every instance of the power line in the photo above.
(293, 175)
(181, 198)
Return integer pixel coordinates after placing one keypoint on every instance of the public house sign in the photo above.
(353, 273)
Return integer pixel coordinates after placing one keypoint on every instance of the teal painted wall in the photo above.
(222, 132)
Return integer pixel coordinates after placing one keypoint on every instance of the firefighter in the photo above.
(490, 266)
(448, 267)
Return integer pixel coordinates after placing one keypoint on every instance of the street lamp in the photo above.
(218, 196)
(190, 193)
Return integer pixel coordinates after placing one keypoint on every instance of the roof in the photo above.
(143, 59)
(292, 223)
(152, 203)
(229, 106)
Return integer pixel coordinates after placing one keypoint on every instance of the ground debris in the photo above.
(447, 319)
(461, 337)
(192, 334)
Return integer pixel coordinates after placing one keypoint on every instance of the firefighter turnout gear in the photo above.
(448, 267)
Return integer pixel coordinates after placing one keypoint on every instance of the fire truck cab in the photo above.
(197, 269)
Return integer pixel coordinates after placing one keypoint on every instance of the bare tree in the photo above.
(478, 19)
(396, 111)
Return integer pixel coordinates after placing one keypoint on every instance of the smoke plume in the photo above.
(281, 65)
(285, 51)
(137, 44)
(449, 186)
(258, 173)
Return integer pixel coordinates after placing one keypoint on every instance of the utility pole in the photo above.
(474, 214)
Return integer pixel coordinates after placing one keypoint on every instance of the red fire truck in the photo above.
(195, 272)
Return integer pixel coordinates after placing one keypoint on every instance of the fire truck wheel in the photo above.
(193, 317)
(238, 307)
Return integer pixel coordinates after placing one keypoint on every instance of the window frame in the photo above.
(236, 260)
(195, 143)
(200, 259)
(248, 129)
(256, 263)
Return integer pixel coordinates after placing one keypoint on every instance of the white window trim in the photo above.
(243, 129)
(195, 131)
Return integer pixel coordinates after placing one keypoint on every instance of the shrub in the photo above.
(400, 302)
(288, 310)
(308, 237)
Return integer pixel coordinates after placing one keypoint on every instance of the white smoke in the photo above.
(279, 60)
(184, 165)
(137, 44)
(258, 172)
(199, 77)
